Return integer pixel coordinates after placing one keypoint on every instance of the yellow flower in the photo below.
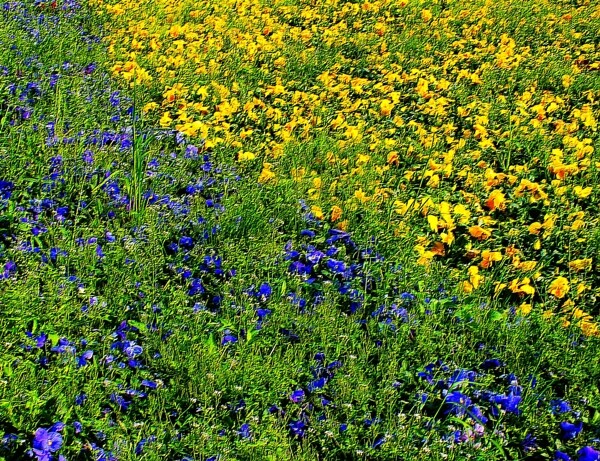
(245, 156)
(559, 287)
(166, 120)
(317, 212)
(522, 287)
(361, 196)
(534, 228)
(524, 309)
(527, 266)
(150, 106)
(385, 107)
(392, 158)
(343, 225)
(580, 264)
(426, 15)
(434, 181)
(266, 174)
(582, 192)
(474, 277)
(589, 328)
(433, 222)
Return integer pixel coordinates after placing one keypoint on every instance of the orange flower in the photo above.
(438, 249)
(489, 258)
(343, 225)
(496, 200)
(336, 213)
(534, 228)
(392, 158)
(479, 232)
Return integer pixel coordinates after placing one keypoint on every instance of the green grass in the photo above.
(201, 382)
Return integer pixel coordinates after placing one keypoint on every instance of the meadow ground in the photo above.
(294, 229)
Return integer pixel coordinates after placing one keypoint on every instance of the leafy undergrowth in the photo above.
(160, 302)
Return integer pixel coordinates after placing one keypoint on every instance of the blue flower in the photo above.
(122, 402)
(476, 414)
(244, 431)
(457, 403)
(298, 428)
(509, 403)
(262, 313)
(569, 431)
(228, 338)
(317, 384)
(297, 396)
(45, 442)
(561, 456)
(84, 358)
(186, 242)
(529, 443)
(379, 441)
(462, 375)
(491, 364)
(560, 406)
(6, 188)
(337, 267)
(588, 454)
(299, 268)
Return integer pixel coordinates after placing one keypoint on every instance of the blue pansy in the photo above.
(569, 431)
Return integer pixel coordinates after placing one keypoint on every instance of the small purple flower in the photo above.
(88, 157)
(46, 442)
(84, 358)
(89, 69)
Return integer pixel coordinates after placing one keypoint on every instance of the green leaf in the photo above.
(495, 316)
(211, 343)
(283, 289)
(139, 325)
(53, 337)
